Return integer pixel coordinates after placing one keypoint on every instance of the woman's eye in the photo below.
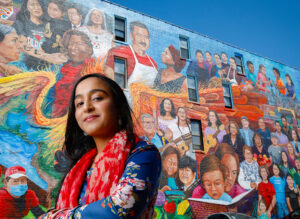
(79, 104)
(97, 98)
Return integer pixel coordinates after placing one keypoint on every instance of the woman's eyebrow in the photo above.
(92, 91)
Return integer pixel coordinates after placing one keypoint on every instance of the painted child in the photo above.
(266, 190)
(212, 175)
(292, 194)
(262, 210)
(275, 150)
(279, 184)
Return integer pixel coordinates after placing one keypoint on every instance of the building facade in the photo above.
(199, 100)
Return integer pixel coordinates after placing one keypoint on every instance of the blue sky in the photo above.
(269, 28)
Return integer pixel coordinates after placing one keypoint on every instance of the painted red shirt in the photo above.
(267, 191)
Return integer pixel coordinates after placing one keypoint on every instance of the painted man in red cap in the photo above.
(16, 200)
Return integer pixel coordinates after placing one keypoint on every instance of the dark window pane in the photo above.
(238, 60)
(226, 91)
(120, 66)
(120, 34)
(195, 127)
(227, 102)
(196, 140)
(184, 53)
(120, 24)
(239, 69)
(183, 43)
(192, 95)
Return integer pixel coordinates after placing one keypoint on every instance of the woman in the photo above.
(216, 69)
(262, 80)
(181, 132)
(295, 141)
(291, 154)
(234, 139)
(215, 128)
(292, 194)
(209, 63)
(167, 117)
(169, 176)
(285, 164)
(95, 28)
(289, 86)
(99, 127)
(258, 147)
(170, 80)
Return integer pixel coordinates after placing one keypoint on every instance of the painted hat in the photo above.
(15, 172)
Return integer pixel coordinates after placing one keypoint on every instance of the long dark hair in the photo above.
(76, 143)
(218, 122)
(24, 14)
(287, 75)
(287, 157)
(162, 108)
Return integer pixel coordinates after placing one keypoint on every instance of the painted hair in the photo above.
(138, 24)
(287, 157)
(277, 71)
(162, 108)
(76, 143)
(218, 122)
(260, 67)
(263, 167)
(88, 21)
(249, 63)
(4, 30)
(198, 51)
(280, 171)
(179, 62)
(187, 161)
(60, 4)
(236, 126)
(288, 76)
(211, 163)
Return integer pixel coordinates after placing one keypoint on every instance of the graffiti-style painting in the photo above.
(245, 158)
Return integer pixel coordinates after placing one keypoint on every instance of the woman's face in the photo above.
(232, 63)
(170, 164)
(167, 105)
(294, 135)
(230, 162)
(167, 58)
(263, 70)
(186, 176)
(96, 17)
(264, 174)
(10, 47)
(54, 11)
(208, 57)
(95, 110)
(212, 117)
(290, 181)
(78, 49)
(290, 148)
(199, 57)
(257, 140)
(34, 8)
(213, 183)
(218, 60)
(248, 155)
(233, 129)
(288, 80)
(275, 170)
(284, 157)
(181, 114)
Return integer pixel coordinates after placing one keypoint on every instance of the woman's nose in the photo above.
(88, 106)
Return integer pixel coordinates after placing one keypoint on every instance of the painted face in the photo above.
(233, 129)
(261, 124)
(5, 2)
(290, 148)
(34, 8)
(284, 122)
(232, 63)
(10, 47)
(257, 140)
(218, 60)
(78, 49)
(277, 127)
(74, 17)
(140, 38)
(224, 58)
(275, 74)
(262, 207)
(199, 57)
(181, 114)
(248, 155)
(275, 170)
(263, 70)
(54, 11)
(212, 117)
(264, 174)
(167, 105)
(288, 80)
(15, 182)
(95, 110)
(251, 68)
(294, 135)
(186, 176)
(245, 123)
(97, 17)
(230, 162)
(167, 58)
(170, 164)
(148, 125)
(284, 157)
(213, 183)
(297, 162)
(290, 181)
(208, 57)
(274, 140)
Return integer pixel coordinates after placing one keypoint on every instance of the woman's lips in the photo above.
(90, 118)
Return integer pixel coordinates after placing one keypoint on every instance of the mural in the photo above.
(248, 154)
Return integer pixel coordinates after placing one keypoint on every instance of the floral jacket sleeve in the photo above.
(134, 196)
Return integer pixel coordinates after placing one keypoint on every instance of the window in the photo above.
(192, 88)
(239, 63)
(227, 93)
(197, 135)
(120, 33)
(184, 47)
(120, 72)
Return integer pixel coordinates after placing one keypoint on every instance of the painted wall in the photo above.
(42, 57)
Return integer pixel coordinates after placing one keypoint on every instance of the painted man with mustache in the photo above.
(140, 67)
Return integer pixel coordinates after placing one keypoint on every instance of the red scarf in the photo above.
(107, 171)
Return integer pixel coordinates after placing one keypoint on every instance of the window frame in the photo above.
(196, 88)
(200, 135)
(125, 29)
(119, 73)
(188, 46)
(230, 97)
(240, 56)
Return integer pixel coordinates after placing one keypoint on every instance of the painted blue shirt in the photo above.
(224, 197)
(279, 186)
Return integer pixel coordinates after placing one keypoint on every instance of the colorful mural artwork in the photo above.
(244, 158)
